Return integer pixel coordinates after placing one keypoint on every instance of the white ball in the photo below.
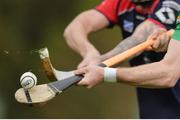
(28, 80)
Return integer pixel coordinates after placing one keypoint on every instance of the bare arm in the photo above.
(142, 32)
(77, 32)
(160, 74)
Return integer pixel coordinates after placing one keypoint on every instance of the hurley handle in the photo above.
(64, 84)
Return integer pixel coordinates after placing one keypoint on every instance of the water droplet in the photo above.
(6, 52)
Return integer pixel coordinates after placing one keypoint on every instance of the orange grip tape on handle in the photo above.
(132, 51)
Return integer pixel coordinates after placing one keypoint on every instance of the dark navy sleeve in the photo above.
(164, 13)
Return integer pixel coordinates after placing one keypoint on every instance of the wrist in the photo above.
(90, 51)
(92, 54)
(110, 75)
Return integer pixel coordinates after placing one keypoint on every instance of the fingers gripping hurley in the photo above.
(43, 93)
(50, 71)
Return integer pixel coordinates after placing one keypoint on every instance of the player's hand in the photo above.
(90, 60)
(93, 75)
(161, 41)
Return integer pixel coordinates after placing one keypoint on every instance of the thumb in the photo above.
(83, 82)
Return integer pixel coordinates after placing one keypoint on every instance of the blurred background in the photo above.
(28, 25)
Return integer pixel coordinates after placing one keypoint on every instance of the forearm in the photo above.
(161, 74)
(77, 38)
(149, 76)
(142, 32)
(76, 34)
(121, 47)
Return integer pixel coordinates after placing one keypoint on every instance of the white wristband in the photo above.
(110, 74)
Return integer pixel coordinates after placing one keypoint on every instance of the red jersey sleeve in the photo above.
(109, 9)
